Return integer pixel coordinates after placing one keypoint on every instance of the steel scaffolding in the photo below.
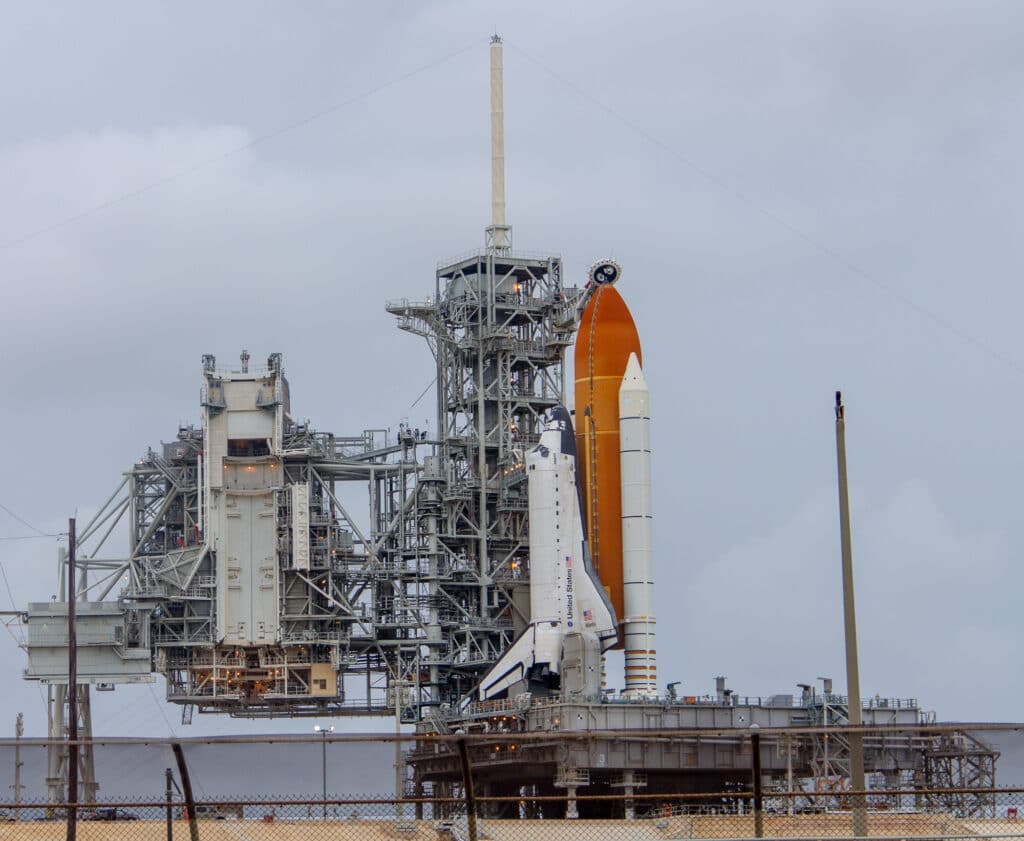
(498, 325)
(424, 591)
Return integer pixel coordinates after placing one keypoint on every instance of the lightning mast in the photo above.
(499, 234)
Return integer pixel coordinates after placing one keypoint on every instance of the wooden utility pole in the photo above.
(853, 707)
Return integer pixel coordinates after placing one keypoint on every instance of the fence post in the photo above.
(169, 779)
(186, 785)
(467, 787)
(755, 756)
(419, 800)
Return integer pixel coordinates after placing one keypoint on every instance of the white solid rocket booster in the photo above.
(637, 565)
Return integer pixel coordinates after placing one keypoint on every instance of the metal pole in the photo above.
(755, 756)
(789, 774)
(169, 780)
(860, 819)
(323, 745)
(72, 797)
(467, 787)
(19, 731)
(186, 784)
(55, 748)
(398, 751)
(418, 792)
(481, 451)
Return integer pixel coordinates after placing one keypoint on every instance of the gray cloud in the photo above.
(885, 135)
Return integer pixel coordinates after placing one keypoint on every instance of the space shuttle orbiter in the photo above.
(572, 619)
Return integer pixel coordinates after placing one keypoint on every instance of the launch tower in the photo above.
(498, 324)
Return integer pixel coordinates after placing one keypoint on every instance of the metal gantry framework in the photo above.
(539, 746)
(350, 613)
(349, 623)
(498, 325)
(397, 611)
(960, 760)
(828, 751)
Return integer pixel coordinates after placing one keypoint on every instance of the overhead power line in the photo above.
(39, 532)
(834, 255)
(423, 393)
(207, 162)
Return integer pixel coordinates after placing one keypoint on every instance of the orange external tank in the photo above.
(606, 338)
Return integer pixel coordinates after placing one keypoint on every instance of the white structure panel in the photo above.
(256, 424)
(102, 653)
(247, 570)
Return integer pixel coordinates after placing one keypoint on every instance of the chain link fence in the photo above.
(342, 786)
(367, 818)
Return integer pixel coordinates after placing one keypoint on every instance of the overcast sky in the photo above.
(803, 197)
